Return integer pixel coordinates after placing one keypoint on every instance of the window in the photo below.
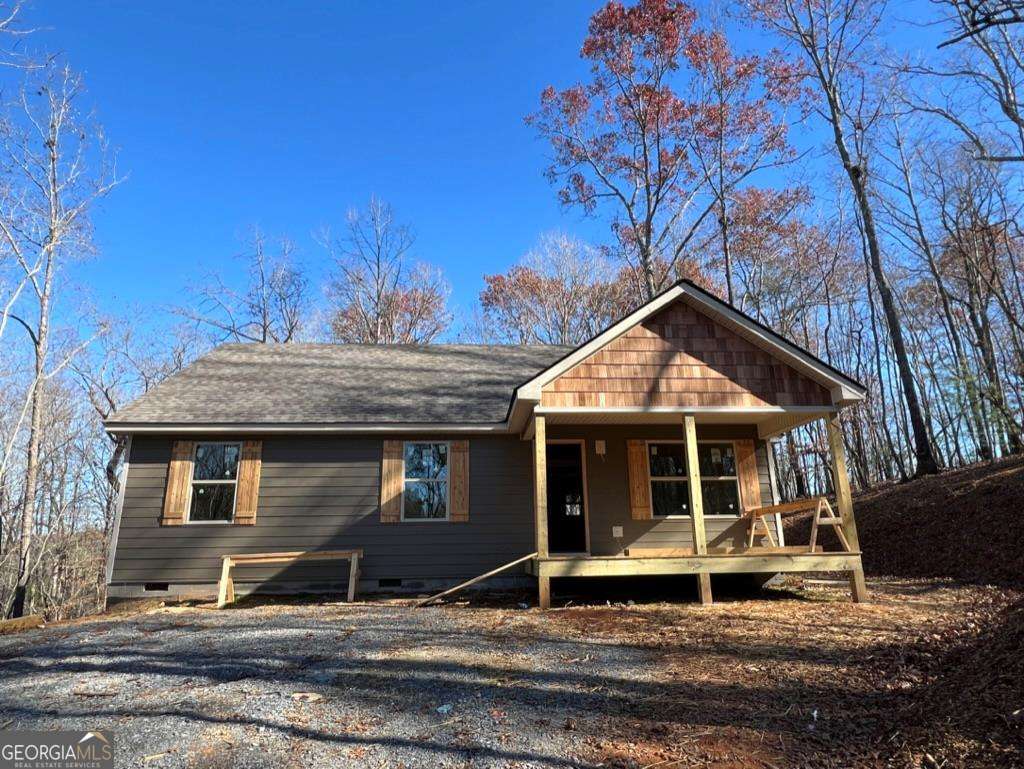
(719, 485)
(670, 491)
(425, 492)
(214, 477)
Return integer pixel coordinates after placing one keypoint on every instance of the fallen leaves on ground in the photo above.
(925, 669)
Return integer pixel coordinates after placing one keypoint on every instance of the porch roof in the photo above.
(768, 421)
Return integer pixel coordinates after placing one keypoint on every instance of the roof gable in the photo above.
(681, 358)
(841, 388)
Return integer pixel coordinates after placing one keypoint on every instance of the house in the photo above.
(635, 453)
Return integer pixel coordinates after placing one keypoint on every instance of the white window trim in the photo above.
(446, 482)
(225, 482)
(686, 479)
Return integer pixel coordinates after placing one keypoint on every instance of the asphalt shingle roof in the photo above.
(345, 384)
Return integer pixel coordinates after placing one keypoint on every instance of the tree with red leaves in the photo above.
(563, 292)
(742, 127)
(667, 107)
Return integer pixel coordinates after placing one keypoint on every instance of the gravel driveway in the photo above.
(922, 676)
(318, 685)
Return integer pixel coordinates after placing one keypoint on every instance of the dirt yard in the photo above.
(941, 525)
(924, 676)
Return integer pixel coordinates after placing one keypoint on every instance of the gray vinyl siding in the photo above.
(322, 493)
(609, 496)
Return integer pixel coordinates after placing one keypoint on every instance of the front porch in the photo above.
(695, 543)
(674, 404)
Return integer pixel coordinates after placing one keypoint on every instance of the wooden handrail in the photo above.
(787, 507)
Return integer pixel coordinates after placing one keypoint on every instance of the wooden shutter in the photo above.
(248, 491)
(458, 481)
(392, 481)
(746, 469)
(639, 481)
(179, 475)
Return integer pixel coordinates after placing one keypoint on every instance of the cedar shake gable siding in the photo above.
(682, 358)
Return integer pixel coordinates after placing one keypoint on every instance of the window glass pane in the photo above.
(216, 462)
(720, 497)
(426, 460)
(212, 502)
(426, 500)
(716, 459)
(668, 460)
(670, 497)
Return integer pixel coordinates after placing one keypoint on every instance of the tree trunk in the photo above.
(926, 464)
(723, 226)
(647, 267)
(113, 481)
(28, 505)
(799, 481)
(976, 422)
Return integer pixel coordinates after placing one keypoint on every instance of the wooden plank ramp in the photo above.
(491, 573)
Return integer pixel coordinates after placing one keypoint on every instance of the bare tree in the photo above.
(47, 194)
(834, 38)
(128, 364)
(972, 17)
(378, 294)
(273, 307)
(978, 86)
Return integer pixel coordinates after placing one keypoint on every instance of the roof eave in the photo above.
(227, 428)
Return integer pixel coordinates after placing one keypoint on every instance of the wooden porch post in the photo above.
(540, 505)
(700, 540)
(844, 501)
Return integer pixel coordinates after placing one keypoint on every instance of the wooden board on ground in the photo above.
(468, 583)
(18, 624)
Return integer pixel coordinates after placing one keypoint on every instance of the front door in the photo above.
(567, 515)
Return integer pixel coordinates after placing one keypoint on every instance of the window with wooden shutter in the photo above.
(179, 476)
(746, 469)
(392, 481)
(639, 481)
(249, 467)
(214, 483)
(458, 475)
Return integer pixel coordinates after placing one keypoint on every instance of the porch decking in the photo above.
(748, 561)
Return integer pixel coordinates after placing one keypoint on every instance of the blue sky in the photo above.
(284, 115)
